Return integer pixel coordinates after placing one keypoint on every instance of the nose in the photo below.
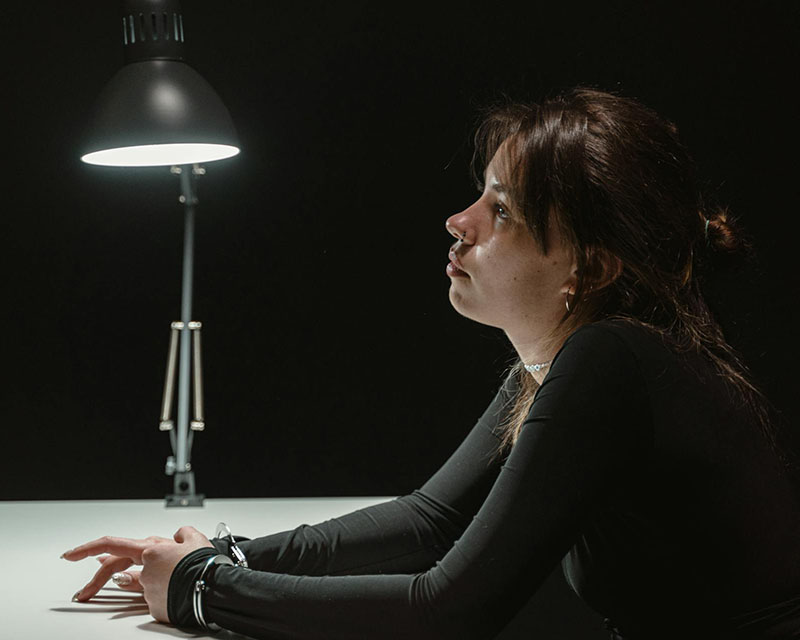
(457, 226)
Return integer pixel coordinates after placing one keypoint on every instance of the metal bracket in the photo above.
(198, 421)
(184, 495)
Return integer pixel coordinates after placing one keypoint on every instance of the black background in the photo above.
(334, 364)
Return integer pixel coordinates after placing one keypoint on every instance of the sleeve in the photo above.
(586, 426)
(404, 535)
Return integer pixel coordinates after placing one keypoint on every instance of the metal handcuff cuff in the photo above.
(223, 531)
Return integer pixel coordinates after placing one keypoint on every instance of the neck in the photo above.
(533, 349)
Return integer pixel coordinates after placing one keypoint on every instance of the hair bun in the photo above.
(724, 234)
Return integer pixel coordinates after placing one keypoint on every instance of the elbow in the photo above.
(446, 615)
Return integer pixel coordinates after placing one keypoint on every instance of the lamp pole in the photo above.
(189, 367)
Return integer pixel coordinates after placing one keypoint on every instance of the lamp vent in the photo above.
(155, 27)
(152, 30)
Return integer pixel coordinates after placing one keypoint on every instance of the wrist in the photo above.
(200, 587)
(180, 609)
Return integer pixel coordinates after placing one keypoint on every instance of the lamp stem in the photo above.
(183, 453)
(184, 476)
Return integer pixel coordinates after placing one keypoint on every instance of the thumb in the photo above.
(185, 534)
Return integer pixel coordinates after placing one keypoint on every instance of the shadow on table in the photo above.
(125, 604)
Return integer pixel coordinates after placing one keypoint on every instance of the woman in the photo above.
(627, 442)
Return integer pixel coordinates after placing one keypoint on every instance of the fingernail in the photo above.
(122, 579)
(75, 597)
(64, 554)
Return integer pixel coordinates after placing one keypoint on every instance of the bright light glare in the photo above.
(155, 155)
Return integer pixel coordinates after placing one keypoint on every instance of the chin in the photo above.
(469, 311)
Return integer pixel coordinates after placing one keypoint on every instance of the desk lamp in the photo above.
(158, 111)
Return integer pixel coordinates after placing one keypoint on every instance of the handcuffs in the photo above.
(239, 560)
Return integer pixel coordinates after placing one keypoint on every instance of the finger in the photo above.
(128, 580)
(121, 547)
(111, 566)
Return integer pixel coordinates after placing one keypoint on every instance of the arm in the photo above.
(404, 535)
(400, 536)
(589, 421)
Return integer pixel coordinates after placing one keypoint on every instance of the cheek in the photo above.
(531, 283)
(524, 274)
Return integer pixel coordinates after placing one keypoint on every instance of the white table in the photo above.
(36, 586)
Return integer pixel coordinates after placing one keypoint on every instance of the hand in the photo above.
(125, 553)
(160, 560)
(158, 555)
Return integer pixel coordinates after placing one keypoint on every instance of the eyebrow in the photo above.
(499, 187)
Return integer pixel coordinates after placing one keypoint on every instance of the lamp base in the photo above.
(184, 495)
(183, 500)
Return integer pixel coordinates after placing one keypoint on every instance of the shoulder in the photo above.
(596, 382)
(605, 339)
(604, 358)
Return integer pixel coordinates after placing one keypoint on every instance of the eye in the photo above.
(501, 211)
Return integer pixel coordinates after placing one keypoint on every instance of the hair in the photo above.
(622, 189)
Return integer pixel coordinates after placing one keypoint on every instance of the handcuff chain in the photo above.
(223, 530)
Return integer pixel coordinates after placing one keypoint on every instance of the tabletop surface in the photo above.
(37, 586)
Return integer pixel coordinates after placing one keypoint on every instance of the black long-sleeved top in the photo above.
(635, 467)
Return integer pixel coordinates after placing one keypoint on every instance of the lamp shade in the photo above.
(157, 110)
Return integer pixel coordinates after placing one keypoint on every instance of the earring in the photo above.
(566, 299)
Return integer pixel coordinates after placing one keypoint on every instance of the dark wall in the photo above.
(334, 363)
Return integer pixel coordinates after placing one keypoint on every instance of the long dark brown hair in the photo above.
(622, 189)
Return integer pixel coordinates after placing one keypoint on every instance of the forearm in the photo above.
(279, 606)
(404, 535)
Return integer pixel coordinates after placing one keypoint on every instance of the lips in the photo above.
(454, 259)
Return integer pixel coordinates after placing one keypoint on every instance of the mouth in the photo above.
(454, 268)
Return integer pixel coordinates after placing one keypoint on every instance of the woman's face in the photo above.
(499, 275)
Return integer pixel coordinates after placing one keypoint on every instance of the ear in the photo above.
(572, 281)
(604, 267)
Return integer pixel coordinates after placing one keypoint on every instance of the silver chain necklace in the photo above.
(530, 368)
